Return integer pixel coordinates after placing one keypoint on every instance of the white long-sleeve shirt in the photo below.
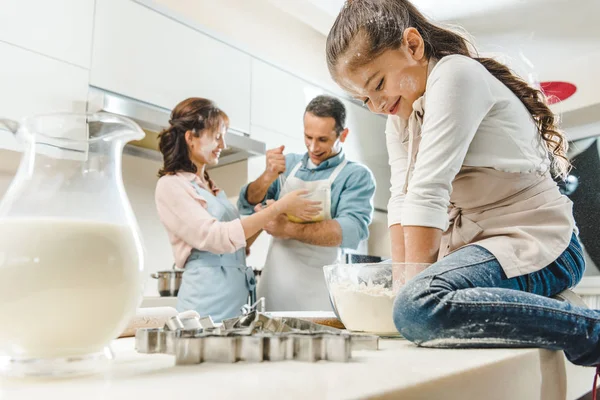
(470, 119)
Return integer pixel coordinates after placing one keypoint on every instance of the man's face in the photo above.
(321, 139)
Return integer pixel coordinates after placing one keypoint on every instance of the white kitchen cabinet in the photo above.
(61, 29)
(366, 143)
(275, 139)
(142, 54)
(366, 140)
(35, 84)
(279, 99)
(382, 193)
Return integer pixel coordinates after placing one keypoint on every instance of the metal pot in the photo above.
(169, 282)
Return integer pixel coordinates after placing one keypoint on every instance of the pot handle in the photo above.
(154, 275)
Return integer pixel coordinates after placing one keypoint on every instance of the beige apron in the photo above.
(292, 278)
(521, 218)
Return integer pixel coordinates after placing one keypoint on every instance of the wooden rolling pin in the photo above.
(327, 318)
(149, 317)
(333, 322)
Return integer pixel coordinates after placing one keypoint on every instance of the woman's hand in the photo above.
(260, 207)
(295, 203)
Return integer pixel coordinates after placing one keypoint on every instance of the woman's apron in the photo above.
(292, 278)
(216, 284)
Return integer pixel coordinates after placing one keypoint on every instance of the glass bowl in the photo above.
(362, 295)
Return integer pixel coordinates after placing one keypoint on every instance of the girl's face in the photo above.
(207, 146)
(389, 83)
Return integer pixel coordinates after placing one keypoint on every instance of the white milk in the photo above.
(67, 287)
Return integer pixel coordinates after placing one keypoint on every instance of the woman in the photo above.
(467, 136)
(205, 230)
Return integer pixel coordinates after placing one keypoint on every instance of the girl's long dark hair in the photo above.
(383, 23)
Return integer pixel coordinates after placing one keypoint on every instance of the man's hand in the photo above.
(258, 189)
(275, 162)
(278, 227)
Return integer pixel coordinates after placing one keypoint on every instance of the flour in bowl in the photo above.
(365, 308)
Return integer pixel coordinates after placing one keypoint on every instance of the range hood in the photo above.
(153, 119)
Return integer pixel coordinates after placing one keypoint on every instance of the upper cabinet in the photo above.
(275, 139)
(61, 29)
(279, 99)
(366, 139)
(35, 84)
(366, 143)
(142, 54)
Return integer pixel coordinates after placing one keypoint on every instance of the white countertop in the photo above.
(398, 370)
(158, 301)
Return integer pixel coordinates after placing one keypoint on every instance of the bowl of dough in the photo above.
(362, 295)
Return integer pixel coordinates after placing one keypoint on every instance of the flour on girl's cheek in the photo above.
(407, 83)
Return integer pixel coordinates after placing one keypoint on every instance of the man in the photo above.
(292, 278)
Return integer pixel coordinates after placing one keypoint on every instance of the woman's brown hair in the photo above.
(197, 115)
(383, 22)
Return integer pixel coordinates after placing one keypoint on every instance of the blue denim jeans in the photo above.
(466, 300)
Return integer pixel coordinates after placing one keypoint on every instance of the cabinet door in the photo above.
(275, 139)
(366, 144)
(61, 29)
(279, 99)
(382, 193)
(34, 84)
(366, 140)
(145, 55)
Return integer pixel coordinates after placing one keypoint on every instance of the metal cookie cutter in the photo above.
(174, 324)
(306, 347)
(250, 348)
(275, 347)
(188, 351)
(192, 323)
(259, 306)
(252, 337)
(150, 340)
(220, 349)
(336, 348)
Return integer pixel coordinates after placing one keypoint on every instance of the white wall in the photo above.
(379, 240)
(264, 30)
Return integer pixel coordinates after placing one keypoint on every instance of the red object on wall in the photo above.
(557, 91)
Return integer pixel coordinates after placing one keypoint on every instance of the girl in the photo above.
(205, 230)
(472, 148)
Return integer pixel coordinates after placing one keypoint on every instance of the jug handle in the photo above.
(9, 125)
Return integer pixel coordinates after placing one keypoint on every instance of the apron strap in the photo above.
(337, 171)
(295, 169)
(292, 174)
(196, 186)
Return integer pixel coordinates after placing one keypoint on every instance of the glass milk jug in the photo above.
(71, 258)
